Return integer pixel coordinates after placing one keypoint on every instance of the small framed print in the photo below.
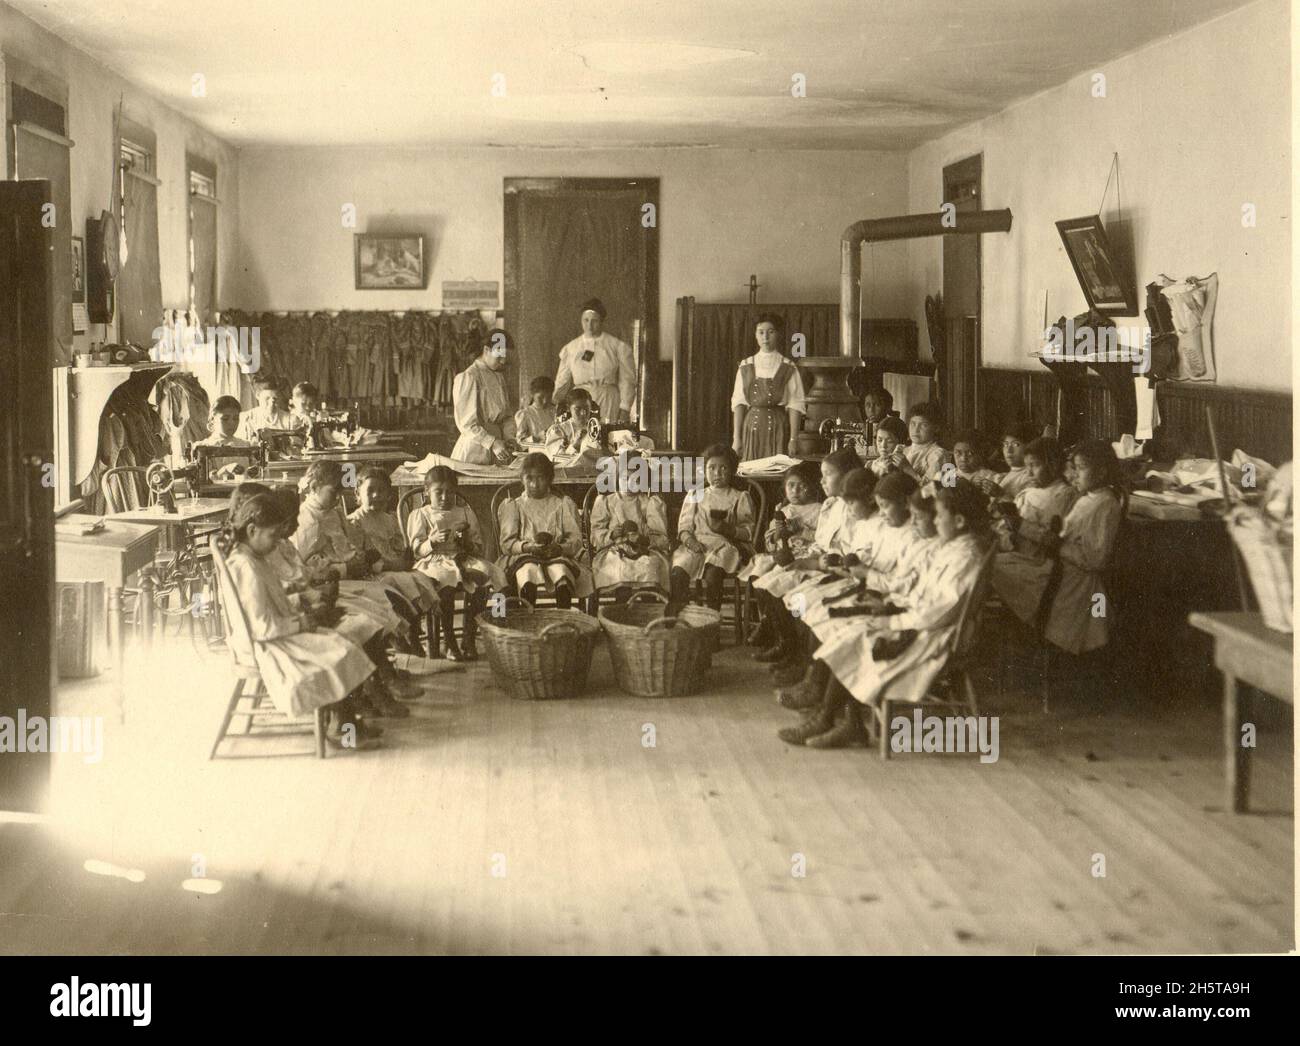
(388, 262)
(78, 271)
(1100, 272)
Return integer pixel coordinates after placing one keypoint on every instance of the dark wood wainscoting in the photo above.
(1254, 420)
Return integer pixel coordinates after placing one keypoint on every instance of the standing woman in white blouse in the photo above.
(601, 364)
(484, 416)
(767, 400)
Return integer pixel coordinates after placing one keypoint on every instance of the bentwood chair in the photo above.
(248, 679)
(499, 498)
(740, 596)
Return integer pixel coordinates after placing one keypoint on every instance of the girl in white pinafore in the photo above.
(715, 530)
(447, 540)
(931, 611)
(830, 535)
(303, 669)
(625, 561)
(879, 543)
(540, 513)
(1048, 497)
(796, 524)
(1086, 543)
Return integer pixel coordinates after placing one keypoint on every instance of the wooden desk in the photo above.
(1245, 651)
(110, 556)
(188, 511)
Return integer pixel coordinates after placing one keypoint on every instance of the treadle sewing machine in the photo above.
(845, 434)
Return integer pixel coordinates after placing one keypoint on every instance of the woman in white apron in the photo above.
(601, 364)
(483, 412)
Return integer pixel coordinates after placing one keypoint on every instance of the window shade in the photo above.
(139, 286)
(38, 157)
(203, 242)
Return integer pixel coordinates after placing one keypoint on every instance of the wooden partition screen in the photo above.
(712, 339)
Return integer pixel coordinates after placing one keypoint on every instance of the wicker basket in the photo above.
(653, 655)
(649, 605)
(1266, 551)
(539, 654)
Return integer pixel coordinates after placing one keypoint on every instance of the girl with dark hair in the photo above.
(767, 400)
(541, 538)
(303, 665)
(1083, 548)
(901, 647)
(715, 530)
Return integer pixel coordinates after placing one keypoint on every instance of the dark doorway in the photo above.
(963, 324)
(570, 239)
(26, 485)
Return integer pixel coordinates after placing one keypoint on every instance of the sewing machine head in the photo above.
(207, 461)
(843, 433)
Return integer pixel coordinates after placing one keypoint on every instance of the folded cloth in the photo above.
(775, 465)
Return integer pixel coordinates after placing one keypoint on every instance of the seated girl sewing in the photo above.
(533, 421)
(1015, 437)
(570, 438)
(831, 535)
(925, 457)
(541, 539)
(629, 539)
(1073, 561)
(325, 541)
(789, 535)
(907, 643)
(303, 665)
(376, 530)
(715, 530)
(968, 458)
(890, 446)
(447, 542)
(1041, 507)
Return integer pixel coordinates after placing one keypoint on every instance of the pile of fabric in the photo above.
(183, 407)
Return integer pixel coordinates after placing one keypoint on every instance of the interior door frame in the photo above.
(514, 188)
(970, 168)
(26, 450)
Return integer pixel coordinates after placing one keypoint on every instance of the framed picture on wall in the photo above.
(78, 271)
(388, 262)
(1101, 273)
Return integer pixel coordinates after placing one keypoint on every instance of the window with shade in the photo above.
(41, 149)
(139, 285)
(203, 237)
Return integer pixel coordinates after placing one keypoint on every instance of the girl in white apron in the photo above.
(447, 542)
(629, 538)
(902, 652)
(715, 531)
(541, 539)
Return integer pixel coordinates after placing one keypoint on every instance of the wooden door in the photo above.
(26, 485)
(570, 239)
(963, 324)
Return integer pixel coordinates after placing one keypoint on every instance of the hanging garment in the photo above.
(1191, 304)
(183, 408)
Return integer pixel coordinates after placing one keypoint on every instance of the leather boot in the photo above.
(790, 673)
(848, 733)
(818, 722)
(806, 694)
(773, 654)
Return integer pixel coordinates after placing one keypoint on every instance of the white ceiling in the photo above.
(623, 73)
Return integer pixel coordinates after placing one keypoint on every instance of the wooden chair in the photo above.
(953, 692)
(514, 489)
(433, 623)
(124, 487)
(248, 680)
(741, 594)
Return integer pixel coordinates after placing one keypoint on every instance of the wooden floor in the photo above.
(489, 825)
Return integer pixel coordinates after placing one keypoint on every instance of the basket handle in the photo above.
(557, 624)
(517, 601)
(663, 622)
(657, 597)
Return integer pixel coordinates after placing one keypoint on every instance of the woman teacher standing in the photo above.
(767, 401)
(599, 363)
(482, 408)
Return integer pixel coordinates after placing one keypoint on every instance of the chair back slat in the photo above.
(124, 488)
(759, 497)
(969, 618)
(238, 634)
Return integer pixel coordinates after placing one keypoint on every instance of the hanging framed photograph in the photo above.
(1100, 272)
(78, 270)
(388, 262)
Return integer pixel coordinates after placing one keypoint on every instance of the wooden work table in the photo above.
(1245, 651)
(111, 556)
